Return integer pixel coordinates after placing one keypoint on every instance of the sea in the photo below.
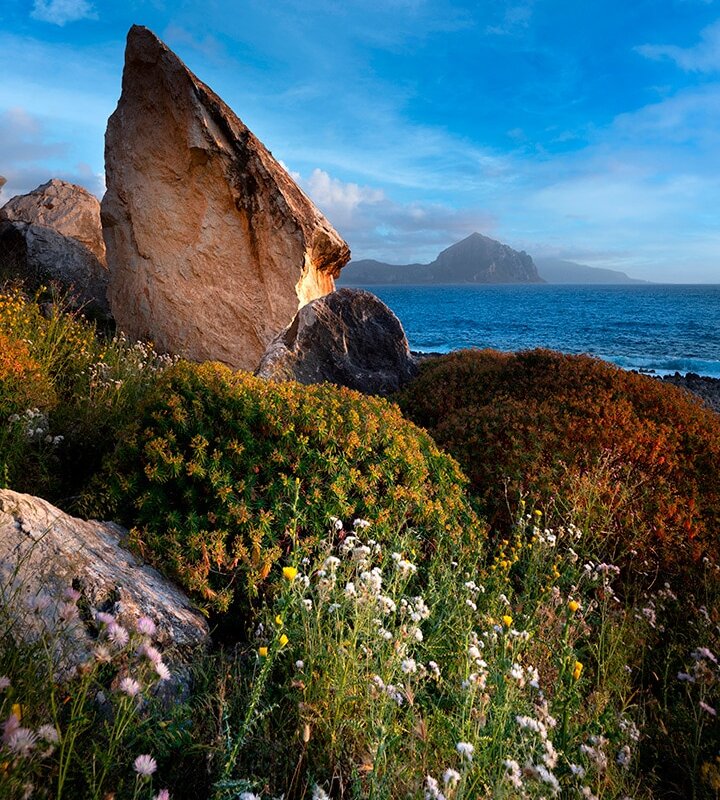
(658, 328)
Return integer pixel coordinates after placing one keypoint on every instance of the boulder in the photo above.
(44, 553)
(349, 338)
(53, 234)
(212, 247)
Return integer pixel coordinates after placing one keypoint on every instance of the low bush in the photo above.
(65, 391)
(224, 472)
(636, 459)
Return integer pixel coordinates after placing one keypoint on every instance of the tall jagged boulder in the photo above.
(349, 338)
(53, 234)
(212, 247)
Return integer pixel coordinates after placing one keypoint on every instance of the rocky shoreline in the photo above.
(708, 389)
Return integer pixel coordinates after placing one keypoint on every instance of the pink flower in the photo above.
(162, 671)
(104, 619)
(145, 626)
(708, 709)
(145, 765)
(163, 794)
(4, 683)
(130, 687)
(117, 634)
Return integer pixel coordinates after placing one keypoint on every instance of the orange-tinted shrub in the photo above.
(23, 384)
(638, 458)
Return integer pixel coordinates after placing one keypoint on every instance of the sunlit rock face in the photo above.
(212, 247)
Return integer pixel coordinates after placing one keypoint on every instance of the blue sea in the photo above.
(660, 328)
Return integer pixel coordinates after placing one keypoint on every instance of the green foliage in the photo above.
(65, 392)
(635, 458)
(224, 472)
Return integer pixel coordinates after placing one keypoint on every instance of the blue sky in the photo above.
(585, 130)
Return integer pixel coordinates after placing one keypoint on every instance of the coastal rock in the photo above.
(53, 234)
(349, 338)
(212, 247)
(44, 552)
(706, 388)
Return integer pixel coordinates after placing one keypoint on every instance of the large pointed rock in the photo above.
(212, 247)
(53, 234)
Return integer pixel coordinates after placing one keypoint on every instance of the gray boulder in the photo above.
(45, 553)
(349, 338)
(53, 234)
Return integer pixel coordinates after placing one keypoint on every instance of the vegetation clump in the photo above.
(637, 459)
(224, 472)
(65, 392)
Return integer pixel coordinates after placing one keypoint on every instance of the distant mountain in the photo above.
(555, 270)
(476, 259)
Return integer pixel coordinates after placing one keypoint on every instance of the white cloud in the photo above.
(58, 12)
(375, 226)
(702, 57)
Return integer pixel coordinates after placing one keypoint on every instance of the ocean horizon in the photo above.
(655, 328)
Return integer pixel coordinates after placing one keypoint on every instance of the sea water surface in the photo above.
(664, 328)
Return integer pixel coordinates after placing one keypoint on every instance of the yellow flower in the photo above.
(507, 620)
(290, 573)
(283, 640)
(263, 651)
(573, 605)
(17, 710)
(577, 672)
(279, 621)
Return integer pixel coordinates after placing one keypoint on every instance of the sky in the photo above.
(582, 129)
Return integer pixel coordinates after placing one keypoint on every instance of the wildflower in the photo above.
(249, 796)
(517, 674)
(361, 523)
(507, 620)
(471, 604)
(434, 668)
(465, 750)
(117, 634)
(350, 590)
(145, 765)
(408, 666)
(319, 793)
(21, 741)
(299, 665)
(332, 563)
(684, 676)
(4, 683)
(289, 573)
(150, 652)
(432, 790)
(104, 619)
(145, 626)
(48, 733)
(708, 709)
(130, 687)
(451, 778)
(513, 773)
(283, 640)
(577, 770)
(262, 651)
(162, 671)
(163, 794)
(308, 604)
(577, 670)
(71, 595)
(573, 605)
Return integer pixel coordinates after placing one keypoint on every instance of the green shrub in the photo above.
(225, 472)
(65, 392)
(636, 458)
